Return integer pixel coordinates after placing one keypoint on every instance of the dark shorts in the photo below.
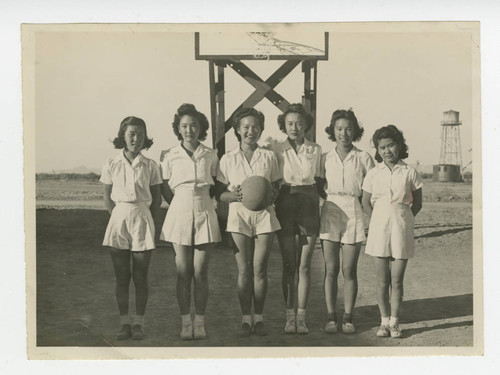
(297, 209)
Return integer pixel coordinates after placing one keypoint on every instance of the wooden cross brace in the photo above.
(263, 89)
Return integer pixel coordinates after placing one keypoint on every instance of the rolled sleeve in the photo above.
(156, 178)
(275, 169)
(106, 173)
(222, 171)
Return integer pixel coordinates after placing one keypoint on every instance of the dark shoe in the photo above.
(125, 332)
(137, 332)
(260, 329)
(245, 329)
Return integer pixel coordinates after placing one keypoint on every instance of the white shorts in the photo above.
(251, 223)
(130, 227)
(391, 232)
(191, 219)
(342, 220)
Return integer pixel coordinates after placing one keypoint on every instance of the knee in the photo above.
(123, 278)
(397, 283)
(289, 268)
(201, 274)
(184, 272)
(140, 278)
(260, 272)
(304, 269)
(245, 274)
(332, 273)
(349, 273)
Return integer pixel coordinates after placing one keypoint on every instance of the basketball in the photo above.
(256, 193)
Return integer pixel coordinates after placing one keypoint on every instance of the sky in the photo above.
(86, 82)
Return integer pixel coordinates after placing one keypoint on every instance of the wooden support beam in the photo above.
(263, 89)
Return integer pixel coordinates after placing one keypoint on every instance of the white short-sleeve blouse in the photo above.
(397, 184)
(131, 182)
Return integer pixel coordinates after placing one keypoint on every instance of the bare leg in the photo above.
(140, 273)
(185, 271)
(244, 261)
(200, 261)
(383, 282)
(288, 256)
(397, 275)
(263, 245)
(121, 264)
(332, 268)
(305, 271)
(350, 255)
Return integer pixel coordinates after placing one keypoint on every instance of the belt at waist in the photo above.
(342, 194)
(145, 204)
(193, 190)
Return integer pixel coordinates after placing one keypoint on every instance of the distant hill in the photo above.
(82, 169)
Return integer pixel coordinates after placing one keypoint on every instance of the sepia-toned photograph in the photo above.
(252, 190)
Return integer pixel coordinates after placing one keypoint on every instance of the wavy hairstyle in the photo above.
(391, 132)
(245, 112)
(295, 108)
(119, 141)
(349, 116)
(187, 109)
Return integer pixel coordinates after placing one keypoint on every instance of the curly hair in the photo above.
(245, 112)
(295, 108)
(349, 116)
(190, 110)
(391, 132)
(119, 141)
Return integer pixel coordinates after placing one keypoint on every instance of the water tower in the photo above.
(450, 159)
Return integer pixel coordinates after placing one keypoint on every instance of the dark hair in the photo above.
(190, 110)
(119, 141)
(391, 132)
(295, 108)
(349, 116)
(245, 112)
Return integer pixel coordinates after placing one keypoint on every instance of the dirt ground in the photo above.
(76, 304)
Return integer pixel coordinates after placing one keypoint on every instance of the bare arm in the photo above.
(276, 190)
(166, 192)
(222, 194)
(156, 202)
(367, 204)
(108, 203)
(320, 186)
(417, 201)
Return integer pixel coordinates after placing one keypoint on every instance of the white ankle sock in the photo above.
(199, 320)
(186, 320)
(301, 314)
(258, 318)
(139, 319)
(124, 319)
(385, 321)
(393, 321)
(290, 314)
(247, 319)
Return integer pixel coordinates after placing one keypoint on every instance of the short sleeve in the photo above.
(322, 172)
(222, 171)
(416, 180)
(155, 178)
(166, 171)
(367, 182)
(318, 162)
(275, 169)
(214, 166)
(369, 163)
(106, 173)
